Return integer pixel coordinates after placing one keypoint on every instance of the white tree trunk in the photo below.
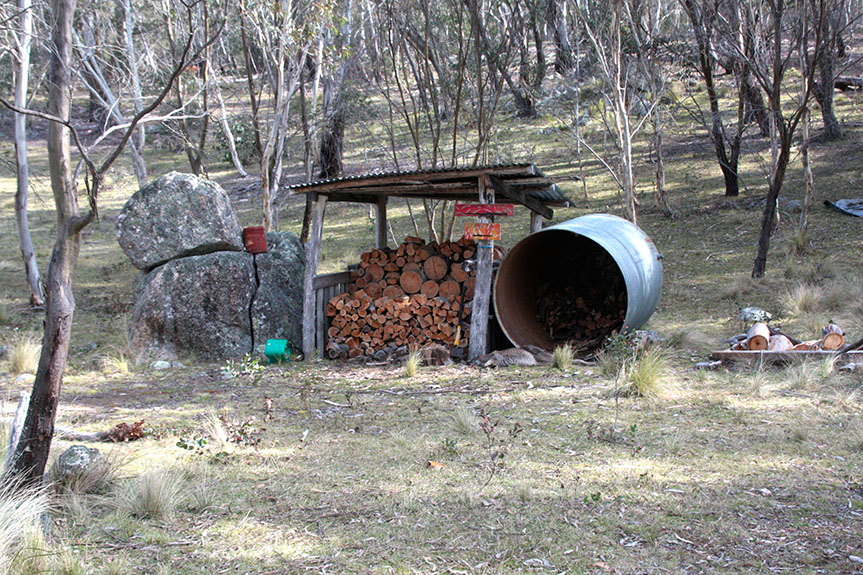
(22, 81)
(226, 129)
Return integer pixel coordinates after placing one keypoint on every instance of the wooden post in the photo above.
(535, 222)
(313, 249)
(15, 433)
(381, 223)
(482, 292)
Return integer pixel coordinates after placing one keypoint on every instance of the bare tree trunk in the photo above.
(809, 194)
(132, 57)
(564, 59)
(22, 192)
(728, 165)
(332, 143)
(31, 454)
(226, 129)
(661, 192)
(830, 23)
(102, 91)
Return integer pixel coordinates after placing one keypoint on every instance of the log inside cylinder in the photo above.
(586, 305)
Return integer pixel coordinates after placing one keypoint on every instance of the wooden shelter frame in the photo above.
(522, 184)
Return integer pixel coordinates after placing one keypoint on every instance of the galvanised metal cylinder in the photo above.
(599, 254)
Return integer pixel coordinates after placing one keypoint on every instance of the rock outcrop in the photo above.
(198, 305)
(277, 308)
(198, 294)
(176, 216)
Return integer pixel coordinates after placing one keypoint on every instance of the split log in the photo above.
(832, 337)
(779, 343)
(430, 288)
(449, 289)
(811, 345)
(411, 282)
(758, 337)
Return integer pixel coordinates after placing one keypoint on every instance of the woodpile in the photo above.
(583, 309)
(761, 337)
(403, 298)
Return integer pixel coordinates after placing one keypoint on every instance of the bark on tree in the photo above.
(824, 90)
(22, 81)
(564, 59)
(702, 25)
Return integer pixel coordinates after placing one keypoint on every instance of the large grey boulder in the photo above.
(277, 308)
(198, 305)
(177, 215)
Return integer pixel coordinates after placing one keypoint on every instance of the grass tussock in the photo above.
(24, 354)
(214, 427)
(465, 421)
(67, 563)
(644, 376)
(562, 357)
(117, 364)
(412, 363)
(741, 287)
(803, 298)
(690, 338)
(155, 495)
(97, 478)
(20, 512)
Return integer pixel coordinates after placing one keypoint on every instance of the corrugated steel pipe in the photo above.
(569, 254)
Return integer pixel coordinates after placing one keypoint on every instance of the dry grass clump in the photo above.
(803, 298)
(24, 354)
(412, 363)
(562, 357)
(20, 512)
(740, 287)
(465, 421)
(647, 373)
(156, 495)
(116, 364)
(690, 338)
(214, 427)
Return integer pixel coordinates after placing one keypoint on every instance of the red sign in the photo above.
(483, 209)
(482, 231)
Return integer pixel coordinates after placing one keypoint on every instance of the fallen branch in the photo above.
(121, 433)
(852, 346)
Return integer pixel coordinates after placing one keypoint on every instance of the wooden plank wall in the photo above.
(326, 286)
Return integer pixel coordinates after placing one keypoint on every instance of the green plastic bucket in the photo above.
(277, 351)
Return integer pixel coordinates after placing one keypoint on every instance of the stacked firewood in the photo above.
(582, 308)
(400, 298)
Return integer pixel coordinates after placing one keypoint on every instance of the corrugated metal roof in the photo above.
(406, 173)
(350, 187)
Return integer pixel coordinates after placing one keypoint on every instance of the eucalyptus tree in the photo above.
(30, 455)
(775, 26)
(718, 28)
(22, 34)
(282, 34)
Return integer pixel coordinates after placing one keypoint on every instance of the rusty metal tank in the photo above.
(596, 253)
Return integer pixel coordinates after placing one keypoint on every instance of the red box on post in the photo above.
(255, 240)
